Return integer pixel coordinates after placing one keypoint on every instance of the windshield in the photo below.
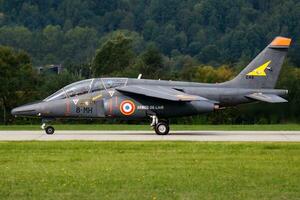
(97, 85)
(60, 94)
(74, 89)
(78, 88)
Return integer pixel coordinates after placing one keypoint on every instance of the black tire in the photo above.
(49, 130)
(162, 128)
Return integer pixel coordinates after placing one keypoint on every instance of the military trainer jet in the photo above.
(160, 100)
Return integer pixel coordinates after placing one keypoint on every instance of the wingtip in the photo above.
(281, 42)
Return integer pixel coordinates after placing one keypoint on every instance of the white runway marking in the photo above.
(255, 136)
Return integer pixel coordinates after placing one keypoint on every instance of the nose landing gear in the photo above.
(161, 127)
(48, 129)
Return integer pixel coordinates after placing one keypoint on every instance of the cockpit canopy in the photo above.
(87, 86)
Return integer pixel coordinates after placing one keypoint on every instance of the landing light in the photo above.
(217, 107)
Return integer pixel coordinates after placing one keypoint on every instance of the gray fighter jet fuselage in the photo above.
(160, 100)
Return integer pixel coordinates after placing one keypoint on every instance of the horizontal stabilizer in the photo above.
(269, 98)
(160, 93)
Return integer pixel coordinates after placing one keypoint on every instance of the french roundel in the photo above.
(127, 107)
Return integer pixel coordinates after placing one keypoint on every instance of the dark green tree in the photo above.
(80, 44)
(150, 64)
(18, 80)
(114, 56)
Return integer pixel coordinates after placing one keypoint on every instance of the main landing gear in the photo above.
(48, 129)
(161, 127)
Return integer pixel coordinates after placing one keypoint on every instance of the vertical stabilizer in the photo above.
(264, 70)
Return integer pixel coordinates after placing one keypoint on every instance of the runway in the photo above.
(254, 136)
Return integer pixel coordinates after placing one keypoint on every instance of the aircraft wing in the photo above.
(160, 93)
(269, 98)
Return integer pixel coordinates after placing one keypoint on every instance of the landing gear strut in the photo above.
(48, 129)
(161, 127)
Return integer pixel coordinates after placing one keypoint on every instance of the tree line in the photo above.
(211, 31)
(20, 83)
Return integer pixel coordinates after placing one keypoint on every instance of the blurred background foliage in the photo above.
(193, 40)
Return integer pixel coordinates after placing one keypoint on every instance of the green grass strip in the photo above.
(149, 170)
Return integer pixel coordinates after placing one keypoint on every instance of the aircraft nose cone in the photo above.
(26, 110)
(14, 111)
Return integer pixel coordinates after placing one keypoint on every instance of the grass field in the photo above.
(271, 127)
(149, 170)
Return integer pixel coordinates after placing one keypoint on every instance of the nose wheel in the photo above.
(48, 129)
(161, 127)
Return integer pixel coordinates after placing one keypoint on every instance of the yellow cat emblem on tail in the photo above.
(260, 71)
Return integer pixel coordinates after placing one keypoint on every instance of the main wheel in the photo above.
(162, 128)
(49, 130)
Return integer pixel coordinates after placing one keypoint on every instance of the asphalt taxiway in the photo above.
(255, 136)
